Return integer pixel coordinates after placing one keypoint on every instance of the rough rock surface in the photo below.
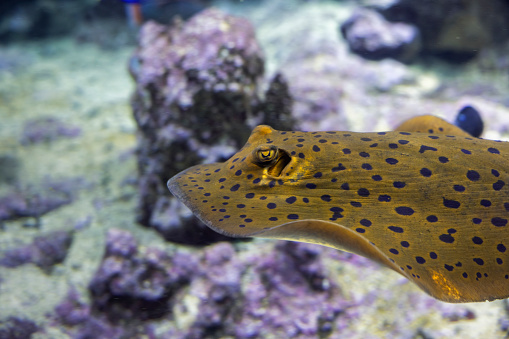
(455, 29)
(35, 201)
(45, 251)
(286, 292)
(17, 328)
(371, 36)
(197, 98)
(131, 286)
(277, 108)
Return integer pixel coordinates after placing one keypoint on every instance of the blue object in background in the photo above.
(469, 120)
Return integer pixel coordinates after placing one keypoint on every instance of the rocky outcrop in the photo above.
(371, 36)
(197, 98)
(453, 29)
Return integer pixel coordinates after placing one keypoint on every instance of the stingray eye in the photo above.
(266, 155)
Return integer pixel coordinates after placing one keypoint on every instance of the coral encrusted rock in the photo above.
(129, 285)
(369, 35)
(45, 251)
(196, 100)
(454, 29)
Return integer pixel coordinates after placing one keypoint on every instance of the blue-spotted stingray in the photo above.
(427, 200)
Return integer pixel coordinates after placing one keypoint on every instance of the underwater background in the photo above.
(101, 102)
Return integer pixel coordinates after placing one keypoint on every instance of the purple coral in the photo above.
(17, 328)
(72, 311)
(128, 285)
(200, 75)
(45, 251)
(37, 201)
(284, 292)
(303, 301)
(47, 129)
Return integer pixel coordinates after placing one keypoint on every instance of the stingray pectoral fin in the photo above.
(432, 281)
(328, 234)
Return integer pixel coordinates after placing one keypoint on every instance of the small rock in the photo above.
(17, 328)
(72, 311)
(36, 201)
(371, 36)
(128, 285)
(47, 129)
(454, 30)
(45, 251)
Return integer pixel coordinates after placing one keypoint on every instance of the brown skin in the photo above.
(431, 206)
